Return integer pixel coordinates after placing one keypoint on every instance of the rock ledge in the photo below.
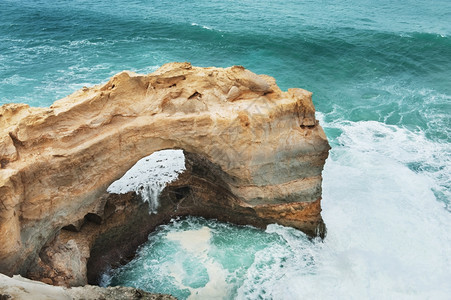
(25, 289)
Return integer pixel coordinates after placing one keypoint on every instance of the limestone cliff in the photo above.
(254, 154)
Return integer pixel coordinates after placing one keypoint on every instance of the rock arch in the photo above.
(263, 147)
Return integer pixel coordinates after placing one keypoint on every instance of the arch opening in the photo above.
(166, 184)
(150, 175)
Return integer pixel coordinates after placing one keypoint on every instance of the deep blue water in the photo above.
(381, 76)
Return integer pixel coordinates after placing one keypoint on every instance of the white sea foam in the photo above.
(203, 26)
(84, 42)
(150, 175)
(15, 80)
(197, 244)
(388, 236)
(412, 149)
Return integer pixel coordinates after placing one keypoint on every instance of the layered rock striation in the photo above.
(254, 155)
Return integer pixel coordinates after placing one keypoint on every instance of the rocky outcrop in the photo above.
(254, 155)
(25, 289)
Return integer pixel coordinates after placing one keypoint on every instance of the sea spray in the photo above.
(150, 175)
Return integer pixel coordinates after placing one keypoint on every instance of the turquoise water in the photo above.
(381, 77)
(209, 259)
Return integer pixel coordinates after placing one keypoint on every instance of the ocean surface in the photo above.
(380, 72)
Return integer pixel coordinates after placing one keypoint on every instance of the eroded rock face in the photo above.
(254, 156)
(25, 289)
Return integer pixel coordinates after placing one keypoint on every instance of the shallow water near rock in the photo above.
(195, 258)
(380, 74)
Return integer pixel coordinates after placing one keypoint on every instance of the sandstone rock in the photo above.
(254, 155)
(25, 289)
(62, 262)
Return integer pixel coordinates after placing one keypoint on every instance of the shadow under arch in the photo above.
(108, 232)
(202, 189)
